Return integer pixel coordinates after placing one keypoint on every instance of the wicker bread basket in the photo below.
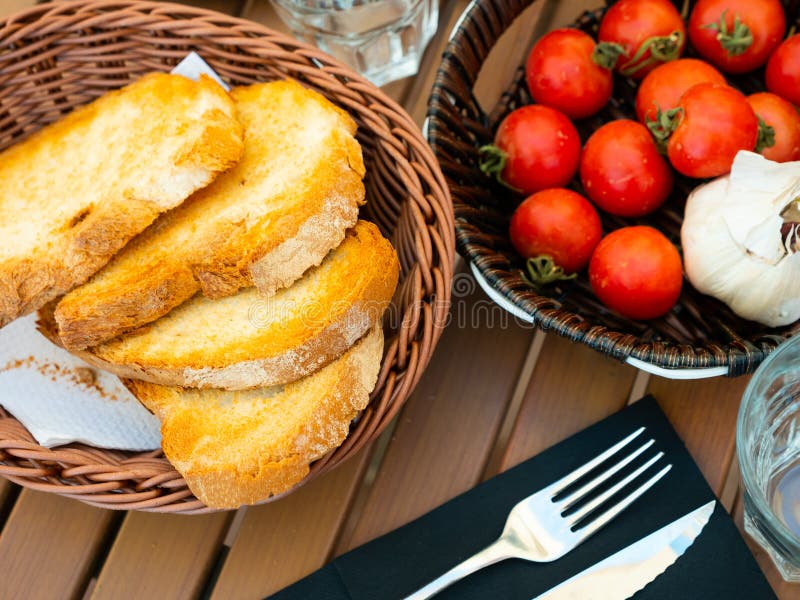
(699, 337)
(61, 55)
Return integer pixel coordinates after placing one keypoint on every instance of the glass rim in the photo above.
(780, 529)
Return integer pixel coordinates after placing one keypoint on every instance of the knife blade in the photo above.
(626, 572)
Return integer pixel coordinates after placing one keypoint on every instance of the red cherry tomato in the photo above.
(535, 147)
(561, 73)
(636, 271)
(783, 70)
(664, 86)
(622, 171)
(736, 35)
(715, 124)
(558, 223)
(784, 120)
(647, 32)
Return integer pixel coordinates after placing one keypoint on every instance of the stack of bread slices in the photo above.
(205, 246)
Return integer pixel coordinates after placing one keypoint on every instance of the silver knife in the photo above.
(623, 574)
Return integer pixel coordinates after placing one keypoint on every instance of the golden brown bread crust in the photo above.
(263, 342)
(236, 448)
(187, 251)
(70, 247)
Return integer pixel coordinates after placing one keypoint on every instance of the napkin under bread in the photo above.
(60, 399)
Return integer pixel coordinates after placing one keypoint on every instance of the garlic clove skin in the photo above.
(758, 191)
(732, 255)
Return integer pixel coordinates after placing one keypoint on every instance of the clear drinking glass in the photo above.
(768, 447)
(381, 39)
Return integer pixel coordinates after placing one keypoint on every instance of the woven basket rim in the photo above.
(478, 30)
(145, 480)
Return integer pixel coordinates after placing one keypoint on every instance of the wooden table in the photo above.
(494, 394)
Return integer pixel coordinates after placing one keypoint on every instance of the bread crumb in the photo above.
(83, 377)
(20, 362)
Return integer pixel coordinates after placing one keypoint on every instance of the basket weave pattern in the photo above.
(58, 56)
(701, 332)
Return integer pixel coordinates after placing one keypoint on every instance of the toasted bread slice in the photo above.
(75, 192)
(244, 341)
(235, 448)
(264, 223)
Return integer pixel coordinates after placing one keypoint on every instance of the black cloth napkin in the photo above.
(717, 565)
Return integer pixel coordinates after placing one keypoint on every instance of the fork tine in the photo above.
(585, 510)
(612, 512)
(558, 486)
(585, 489)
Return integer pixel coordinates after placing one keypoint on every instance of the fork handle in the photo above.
(499, 550)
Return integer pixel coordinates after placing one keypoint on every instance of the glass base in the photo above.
(790, 571)
(383, 39)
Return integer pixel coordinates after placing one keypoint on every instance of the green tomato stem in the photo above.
(735, 41)
(662, 48)
(766, 135)
(493, 162)
(606, 54)
(663, 125)
(543, 271)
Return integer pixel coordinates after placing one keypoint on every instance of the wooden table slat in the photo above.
(49, 546)
(447, 428)
(261, 11)
(442, 444)
(9, 7)
(419, 87)
(703, 412)
(281, 542)
(169, 556)
(228, 7)
(572, 387)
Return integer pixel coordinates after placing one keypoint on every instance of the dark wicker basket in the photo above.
(700, 332)
(61, 55)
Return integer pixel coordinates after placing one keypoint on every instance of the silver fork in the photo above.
(537, 529)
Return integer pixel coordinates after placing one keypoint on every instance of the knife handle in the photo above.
(499, 550)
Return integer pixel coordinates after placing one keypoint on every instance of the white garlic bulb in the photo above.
(741, 239)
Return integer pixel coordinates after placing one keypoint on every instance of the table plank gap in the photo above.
(285, 540)
(571, 388)
(233, 529)
(87, 593)
(783, 589)
(703, 412)
(510, 418)
(730, 488)
(9, 493)
(169, 556)
(52, 543)
(359, 503)
(639, 387)
(447, 428)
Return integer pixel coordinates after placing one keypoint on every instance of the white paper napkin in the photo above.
(58, 397)
(193, 66)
